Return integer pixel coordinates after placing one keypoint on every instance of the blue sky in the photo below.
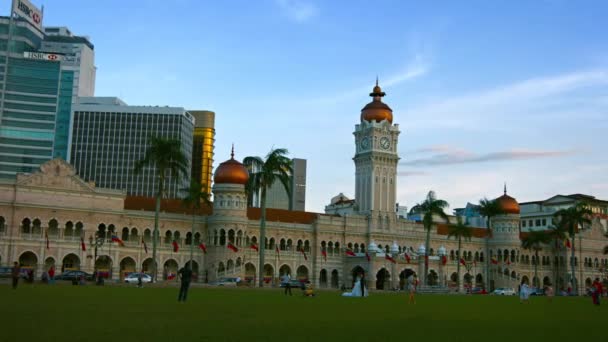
(484, 91)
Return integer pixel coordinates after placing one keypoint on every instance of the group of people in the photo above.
(307, 289)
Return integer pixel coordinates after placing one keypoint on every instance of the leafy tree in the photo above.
(573, 219)
(534, 241)
(459, 231)
(262, 175)
(489, 209)
(429, 208)
(168, 160)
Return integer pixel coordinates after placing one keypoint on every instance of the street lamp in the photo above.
(98, 242)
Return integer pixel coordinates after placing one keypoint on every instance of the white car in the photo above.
(231, 282)
(504, 291)
(133, 278)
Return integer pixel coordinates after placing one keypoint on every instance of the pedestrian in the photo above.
(140, 282)
(596, 291)
(286, 280)
(412, 282)
(52, 275)
(185, 274)
(362, 283)
(524, 293)
(15, 273)
(549, 292)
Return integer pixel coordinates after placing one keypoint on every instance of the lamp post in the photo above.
(98, 243)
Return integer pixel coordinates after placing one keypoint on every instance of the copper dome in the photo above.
(231, 172)
(508, 204)
(377, 110)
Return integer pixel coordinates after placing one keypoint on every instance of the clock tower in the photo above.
(376, 156)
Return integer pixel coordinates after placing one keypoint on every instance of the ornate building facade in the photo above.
(45, 217)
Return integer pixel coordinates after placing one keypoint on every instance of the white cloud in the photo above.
(298, 10)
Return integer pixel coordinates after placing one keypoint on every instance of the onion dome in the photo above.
(442, 251)
(421, 250)
(231, 172)
(377, 110)
(372, 248)
(508, 204)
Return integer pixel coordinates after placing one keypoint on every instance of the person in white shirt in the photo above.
(286, 279)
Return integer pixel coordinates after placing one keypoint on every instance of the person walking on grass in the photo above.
(524, 293)
(52, 275)
(596, 291)
(15, 272)
(185, 274)
(286, 279)
(412, 283)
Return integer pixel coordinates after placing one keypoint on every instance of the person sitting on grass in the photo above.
(308, 290)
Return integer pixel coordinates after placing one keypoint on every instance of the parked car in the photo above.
(504, 291)
(71, 275)
(478, 291)
(6, 272)
(295, 284)
(537, 292)
(231, 282)
(133, 278)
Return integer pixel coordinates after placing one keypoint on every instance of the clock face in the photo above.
(385, 143)
(364, 143)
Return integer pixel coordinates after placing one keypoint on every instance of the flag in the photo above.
(350, 253)
(46, 236)
(303, 253)
(367, 256)
(462, 262)
(145, 246)
(494, 261)
(276, 249)
(444, 260)
(203, 247)
(175, 246)
(407, 257)
(171, 276)
(567, 243)
(254, 247)
(390, 258)
(232, 247)
(324, 253)
(82, 245)
(117, 240)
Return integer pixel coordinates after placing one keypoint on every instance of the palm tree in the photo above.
(166, 156)
(489, 209)
(558, 233)
(194, 196)
(535, 241)
(262, 175)
(459, 231)
(431, 207)
(572, 218)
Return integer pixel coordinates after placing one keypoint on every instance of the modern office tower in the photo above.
(202, 147)
(78, 56)
(35, 95)
(276, 196)
(108, 137)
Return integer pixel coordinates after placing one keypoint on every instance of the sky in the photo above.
(484, 92)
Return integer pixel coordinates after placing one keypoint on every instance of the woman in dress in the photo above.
(412, 283)
(524, 293)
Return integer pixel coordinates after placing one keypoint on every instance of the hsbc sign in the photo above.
(26, 10)
(43, 56)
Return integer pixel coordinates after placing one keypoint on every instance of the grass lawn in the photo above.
(111, 313)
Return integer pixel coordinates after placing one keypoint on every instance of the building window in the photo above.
(537, 222)
(530, 223)
(523, 223)
(544, 222)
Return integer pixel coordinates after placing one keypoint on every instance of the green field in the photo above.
(111, 313)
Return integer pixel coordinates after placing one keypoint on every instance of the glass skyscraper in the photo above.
(35, 99)
(108, 137)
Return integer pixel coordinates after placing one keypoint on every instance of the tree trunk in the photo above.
(426, 256)
(573, 275)
(458, 265)
(487, 258)
(192, 243)
(155, 237)
(262, 246)
(536, 268)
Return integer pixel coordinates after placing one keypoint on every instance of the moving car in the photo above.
(232, 282)
(71, 275)
(504, 291)
(133, 278)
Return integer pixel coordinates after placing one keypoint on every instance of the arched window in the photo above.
(2, 225)
(289, 244)
(362, 248)
(231, 236)
(282, 245)
(337, 248)
(188, 238)
(125, 234)
(26, 226)
(330, 248)
(147, 235)
(79, 230)
(307, 246)
(168, 237)
(37, 227)
(239, 238)
(222, 237)
(53, 228)
(271, 244)
(134, 235)
(197, 238)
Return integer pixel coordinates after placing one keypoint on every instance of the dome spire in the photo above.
(505, 188)
(232, 152)
(377, 92)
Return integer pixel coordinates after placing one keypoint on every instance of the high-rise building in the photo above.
(277, 197)
(109, 136)
(35, 98)
(78, 56)
(202, 147)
